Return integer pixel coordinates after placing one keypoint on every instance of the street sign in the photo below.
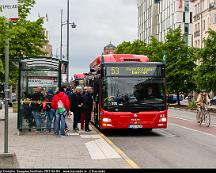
(9, 9)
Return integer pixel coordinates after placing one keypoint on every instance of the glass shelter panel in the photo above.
(39, 77)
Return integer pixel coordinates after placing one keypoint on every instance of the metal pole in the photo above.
(68, 18)
(61, 35)
(6, 90)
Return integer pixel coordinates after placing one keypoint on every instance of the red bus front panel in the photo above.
(125, 120)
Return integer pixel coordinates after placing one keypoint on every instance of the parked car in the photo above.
(172, 98)
(213, 100)
(13, 99)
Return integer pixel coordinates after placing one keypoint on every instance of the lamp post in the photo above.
(73, 25)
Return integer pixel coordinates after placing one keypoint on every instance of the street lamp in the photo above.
(73, 25)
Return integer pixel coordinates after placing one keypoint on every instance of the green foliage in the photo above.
(180, 64)
(192, 104)
(26, 39)
(25, 7)
(205, 72)
(155, 50)
(137, 47)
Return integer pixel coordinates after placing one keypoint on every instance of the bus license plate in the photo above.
(135, 126)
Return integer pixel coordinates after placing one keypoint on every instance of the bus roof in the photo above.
(118, 58)
(79, 76)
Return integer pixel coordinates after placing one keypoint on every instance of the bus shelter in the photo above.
(37, 72)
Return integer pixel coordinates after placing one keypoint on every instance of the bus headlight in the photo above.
(163, 119)
(106, 120)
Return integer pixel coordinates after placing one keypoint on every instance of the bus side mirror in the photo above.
(92, 70)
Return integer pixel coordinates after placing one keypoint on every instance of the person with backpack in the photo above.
(61, 104)
(49, 112)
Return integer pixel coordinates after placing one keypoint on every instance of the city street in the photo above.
(184, 144)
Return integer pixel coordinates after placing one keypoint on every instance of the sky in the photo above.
(98, 22)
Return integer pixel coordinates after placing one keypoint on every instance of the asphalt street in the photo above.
(184, 144)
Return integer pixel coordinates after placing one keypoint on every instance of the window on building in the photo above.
(214, 18)
(186, 39)
(195, 43)
(186, 5)
(183, 17)
(186, 28)
(203, 25)
(191, 17)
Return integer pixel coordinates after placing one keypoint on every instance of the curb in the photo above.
(117, 149)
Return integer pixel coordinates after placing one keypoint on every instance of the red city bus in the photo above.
(79, 79)
(129, 92)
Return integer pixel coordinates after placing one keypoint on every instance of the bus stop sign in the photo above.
(9, 9)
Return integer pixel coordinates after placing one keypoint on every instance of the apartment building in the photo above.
(147, 19)
(204, 17)
(156, 17)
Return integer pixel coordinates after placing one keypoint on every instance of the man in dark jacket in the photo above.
(50, 113)
(76, 103)
(88, 105)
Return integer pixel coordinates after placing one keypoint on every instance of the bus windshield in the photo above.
(130, 93)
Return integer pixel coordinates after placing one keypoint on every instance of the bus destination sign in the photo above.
(133, 71)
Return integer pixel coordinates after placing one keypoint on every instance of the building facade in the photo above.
(47, 47)
(109, 49)
(204, 17)
(156, 17)
(147, 19)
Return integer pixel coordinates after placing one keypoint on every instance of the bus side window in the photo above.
(96, 88)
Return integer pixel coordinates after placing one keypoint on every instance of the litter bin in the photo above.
(15, 106)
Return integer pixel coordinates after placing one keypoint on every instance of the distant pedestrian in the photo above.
(88, 106)
(37, 98)
(76, 102)
(82, 118)
(49, 112)
(61, 104)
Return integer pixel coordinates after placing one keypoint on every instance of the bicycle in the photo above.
(204, 116)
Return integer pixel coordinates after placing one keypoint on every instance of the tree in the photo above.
(155, 50)
(26, 39)
(136, 47)
(205, 72)
(179, 63)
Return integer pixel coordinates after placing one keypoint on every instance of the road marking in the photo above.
(72, 134)
(212, 124)
(192, 129)
(100, 149)
(131, 163)
(90, 136)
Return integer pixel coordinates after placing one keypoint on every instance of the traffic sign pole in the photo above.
(9, 10)
(6, 90)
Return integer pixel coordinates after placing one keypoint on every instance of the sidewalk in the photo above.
(81, 150)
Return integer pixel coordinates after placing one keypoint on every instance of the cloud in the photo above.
(98, 22)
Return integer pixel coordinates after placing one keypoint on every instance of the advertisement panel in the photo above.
(9, 9)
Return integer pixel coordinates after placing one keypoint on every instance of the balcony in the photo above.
(197, 17)
(197, 33)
